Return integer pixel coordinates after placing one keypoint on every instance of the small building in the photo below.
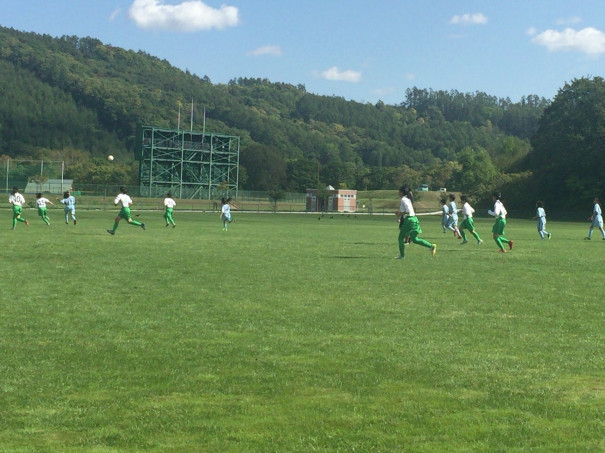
(54, 186)
(339, 200)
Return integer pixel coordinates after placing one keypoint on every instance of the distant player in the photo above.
(541, 218)
(169, 204)
(445, 211)
(409, 226)
(41, 205)
(70, 206)
(125, 202)
(452, 222)
(596, 219)
(468, 223)
(225, 215)
(499, 213)
(17, 201)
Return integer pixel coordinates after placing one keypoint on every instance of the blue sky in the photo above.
(363, 50)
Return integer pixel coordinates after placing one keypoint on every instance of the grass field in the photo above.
(296, 333)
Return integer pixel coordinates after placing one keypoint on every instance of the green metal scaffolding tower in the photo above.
(190, 164)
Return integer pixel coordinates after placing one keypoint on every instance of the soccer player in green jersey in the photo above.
(169, 203)
(499, 213)
(17, 200)
(125, 201)
(409, 226)
(41, 204)
(468, 223)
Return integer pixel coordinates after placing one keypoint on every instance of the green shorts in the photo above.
(499, 226)
(410, 224)
(468, 224)
(124, 213)
(17, 210)
(42, 212)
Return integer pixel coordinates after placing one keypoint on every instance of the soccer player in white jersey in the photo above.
(70, 206)
(125, 201)
(541, 218)
(225, 215)
(409, 226)
(17, 201)
(596, 219)
(499, 213)
(41, 205)
(468, 223)
(169, 204)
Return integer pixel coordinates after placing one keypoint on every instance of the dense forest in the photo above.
(78, 99)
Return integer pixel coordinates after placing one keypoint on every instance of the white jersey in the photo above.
(467, 210)
(16, 199)
(596, 210)
(226, 209)
(41, 202)
(406, 206)
(540, 213)
(499, 210)
(123, 199)
(169, 203)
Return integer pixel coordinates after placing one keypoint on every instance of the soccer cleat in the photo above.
(587, 238)
(111, 232)
(434, 249)
(464, 242)
(549, 235)
(26, 223)
(174, 226)
(480, 241)
(143, 226)
(167, 224)
(399, 257)
(502, 250)
(510, 244)
(75, 222)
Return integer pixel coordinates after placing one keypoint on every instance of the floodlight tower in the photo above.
(190, 164)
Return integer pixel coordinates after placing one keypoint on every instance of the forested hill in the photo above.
(72, 97)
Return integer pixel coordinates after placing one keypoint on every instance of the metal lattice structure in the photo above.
(190, 164)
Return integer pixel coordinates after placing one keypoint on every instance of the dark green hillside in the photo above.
(78, 95)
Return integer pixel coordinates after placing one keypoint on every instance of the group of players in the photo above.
(17, 200)
(409, 226)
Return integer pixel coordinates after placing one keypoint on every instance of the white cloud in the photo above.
(531, 31)
(588, 40)
(569, 20)
(469, 19)
(116, 12)
(336, 74)
(274, 51)
(188, 16)
(383, 91)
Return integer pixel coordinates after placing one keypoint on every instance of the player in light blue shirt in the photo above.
(596, 219)
(452, 221)
(70, 206)
(445, 210)
(541, 217)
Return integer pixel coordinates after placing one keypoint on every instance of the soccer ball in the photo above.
(110, 158)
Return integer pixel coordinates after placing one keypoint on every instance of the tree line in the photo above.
(78, 99)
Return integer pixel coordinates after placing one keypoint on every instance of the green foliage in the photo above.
(477, 175)
(568, 147)
(78, 93)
